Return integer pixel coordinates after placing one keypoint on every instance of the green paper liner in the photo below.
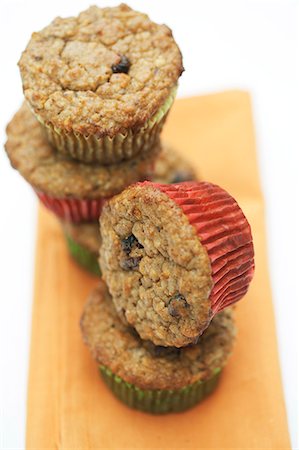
(160, 401)
(84, 257)
(108, 150)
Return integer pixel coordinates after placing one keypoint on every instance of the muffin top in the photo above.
(140, 362)
(60, 176)
(103, 72)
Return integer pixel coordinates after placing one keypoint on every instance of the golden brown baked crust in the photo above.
(104, 72)
(60, 176)
(157, 271)
(116, 346)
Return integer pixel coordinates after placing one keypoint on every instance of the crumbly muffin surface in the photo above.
(156, 269)
(59, 175)
(171, 167)
(139, 362)
(105, 71)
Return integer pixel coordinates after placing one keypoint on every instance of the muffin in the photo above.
(171, 167)
(83, 242)
(74, 191)
(83, 239)
(150, 378)
(173, 256)
(102, 83)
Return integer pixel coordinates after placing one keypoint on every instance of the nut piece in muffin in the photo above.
(154, 379)
(102, 83)
(173, 256)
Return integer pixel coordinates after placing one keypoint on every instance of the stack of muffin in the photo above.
(174, 257)
(98, 90)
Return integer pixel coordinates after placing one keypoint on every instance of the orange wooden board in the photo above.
(68, 405)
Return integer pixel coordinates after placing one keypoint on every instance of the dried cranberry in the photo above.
(129, 242)
(176, 306)
(130, 263)
(123, 66)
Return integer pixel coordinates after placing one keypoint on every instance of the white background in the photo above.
(252, 45)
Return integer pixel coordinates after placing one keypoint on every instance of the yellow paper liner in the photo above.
(108, 150)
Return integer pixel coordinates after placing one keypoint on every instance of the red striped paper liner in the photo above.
(224, 232)
(73, 209)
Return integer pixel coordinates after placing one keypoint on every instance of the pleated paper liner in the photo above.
(224, 232)
(159, 401)
(83, 256)
(108, 150)
(73, 209)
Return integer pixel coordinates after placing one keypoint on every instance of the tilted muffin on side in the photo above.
(173, 256)
(74, 191)
(102, 83)
(150, 378)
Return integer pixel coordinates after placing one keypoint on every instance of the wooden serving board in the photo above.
(69, 407)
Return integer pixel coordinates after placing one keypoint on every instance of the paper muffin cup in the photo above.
(83, 256)
(224, 232)
(160, 401)
(108, 150)
(72, 209)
